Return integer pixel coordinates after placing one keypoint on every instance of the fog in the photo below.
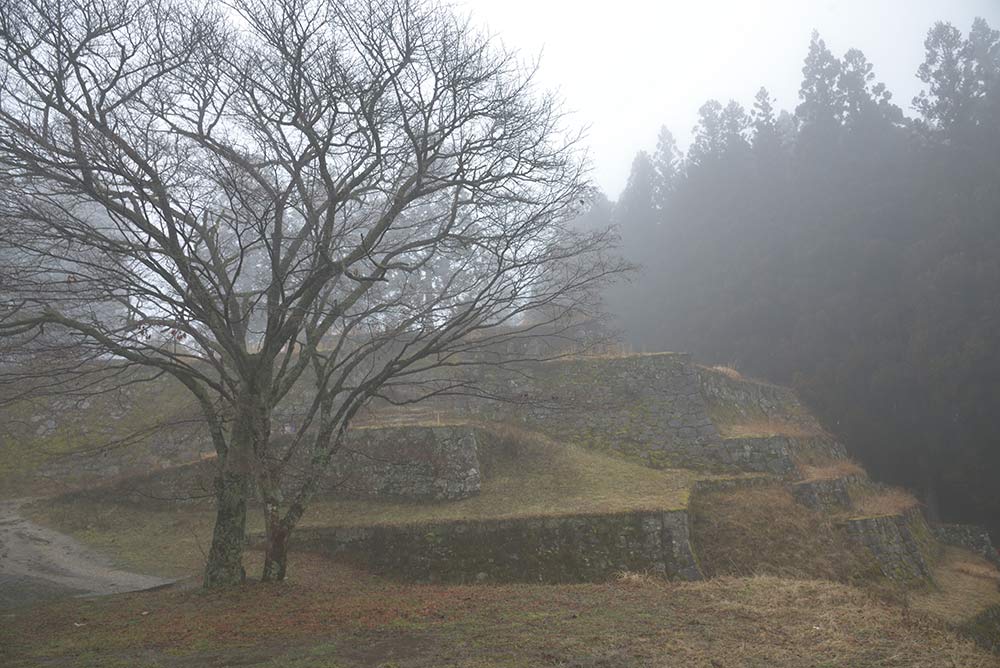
(626, 68)
(378, 302)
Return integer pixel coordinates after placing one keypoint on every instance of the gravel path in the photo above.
(37, 563)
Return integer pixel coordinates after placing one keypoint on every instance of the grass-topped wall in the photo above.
(569, 548)
(648, 407)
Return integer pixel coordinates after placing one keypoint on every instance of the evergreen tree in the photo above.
(735, 128)
(947, 73)
(709, 134)
(822, 100)
(850, 256)
(667, 163)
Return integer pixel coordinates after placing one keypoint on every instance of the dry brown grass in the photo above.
(728, 370)
(332, 615)
(966, 585)
(633, 579)
(764, 531)
(884, 501)
(763, 426)
(836, 469)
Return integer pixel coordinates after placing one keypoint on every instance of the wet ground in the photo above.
(37, 563)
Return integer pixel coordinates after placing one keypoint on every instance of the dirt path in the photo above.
(37, 563)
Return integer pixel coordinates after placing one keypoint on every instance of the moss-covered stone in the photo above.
(575, 548)
(903, 545)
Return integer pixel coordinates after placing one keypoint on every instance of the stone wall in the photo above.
(969, 536)
(653, 408)
(903, 545)
(765, 454)
(716, 485)
(656, 408)
(578, 548)
(645, 406)
(407, 462)
(825, 494)
(778, 455)
(751, 396)
(412, 462)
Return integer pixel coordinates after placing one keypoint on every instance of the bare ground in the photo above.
(37, 564)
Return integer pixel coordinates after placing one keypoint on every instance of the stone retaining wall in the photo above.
(765, 454)
(714, 485)
(778, 455)
(656, 409)
(970, 537)
(825, 494)
(578, 548)
(653, 408)
(644, 405)
(751, 396)
(412, 462)
(903, 545)
(405, 462)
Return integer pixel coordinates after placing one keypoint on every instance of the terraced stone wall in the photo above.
(969, 536)
(827, 494)
(751, 396)
(580, 548)
(646, 406)
(903, 545)
(412, 462)
(656, 408)
(405, 462)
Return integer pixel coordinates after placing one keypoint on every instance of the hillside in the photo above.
(641, 508)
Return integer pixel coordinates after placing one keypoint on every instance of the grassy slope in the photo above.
(966, 584)
(38, 432)
(330, 616)
(537, 478)
(764, 531)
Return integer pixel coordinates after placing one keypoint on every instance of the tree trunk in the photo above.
(225, 558)
(276, 552)
(279, 531)
(234, 485)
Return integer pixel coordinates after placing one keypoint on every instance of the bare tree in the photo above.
(249, 197)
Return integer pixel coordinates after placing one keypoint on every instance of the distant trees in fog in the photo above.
(847, 247)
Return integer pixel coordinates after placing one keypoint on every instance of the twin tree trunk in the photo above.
(225, 558)
(235, 486)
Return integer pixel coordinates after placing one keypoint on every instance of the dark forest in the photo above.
(848, 246)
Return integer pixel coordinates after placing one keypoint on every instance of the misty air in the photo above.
(468, 333)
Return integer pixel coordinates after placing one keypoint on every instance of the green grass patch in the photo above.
(164, 542)
(530, 477)
(125, 424)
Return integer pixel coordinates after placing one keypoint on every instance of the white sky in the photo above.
(626, 67)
